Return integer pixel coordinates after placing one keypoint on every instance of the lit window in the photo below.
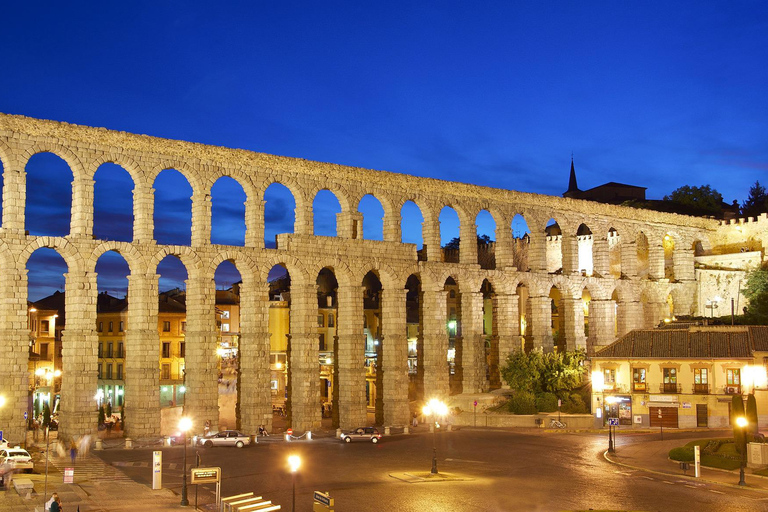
(166, 326)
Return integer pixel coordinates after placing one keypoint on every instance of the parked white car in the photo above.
(16, 458)
(225, 438)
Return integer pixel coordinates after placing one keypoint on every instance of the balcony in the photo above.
(701, 389)
(732, 389)
(669, 388)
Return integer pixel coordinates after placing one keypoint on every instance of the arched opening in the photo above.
(557, 308)
(414, 330)
(670, 309)
(524, 314)
(615, 299)
(327, 325)
(227, 213)
(173, 208)
(279, 282)
(491, 335)
(279, 213)
(412, 227)
(172, 328)
(642, 256)
(113, 203)
(554, 247)
(374, 387)
(373, 217)
(614, 253)
(453, 327)
(486, 240)
(586, 300)
(228, 319)
(521, 237)
(325, 208)
(46, 318)
(449, 234)
(49, 195)
(669, 257)
(111, 321)
(585, 242)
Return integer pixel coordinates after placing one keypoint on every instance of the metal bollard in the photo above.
(99, 445)
(406, 430)
(128, 443)
(386, 431)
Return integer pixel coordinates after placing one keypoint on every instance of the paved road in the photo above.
(504, 471)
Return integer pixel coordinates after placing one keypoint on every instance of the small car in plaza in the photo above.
(362, 434)
(16, 458)
(225, 438)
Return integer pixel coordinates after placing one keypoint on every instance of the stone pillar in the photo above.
(391, 228)
(14, 200)
(142, 371)
(573, 311)
(682, 261)
(601, 262)
(82, 207)
(431, 235)
(655, 258)
(349, 225)
(508, 325)
(79, 357)
(201, 401)
(570, 248)
(601, 323)
(304, 222)
(537, 251)
(254, 380)
(14, 331)
(629, 316)
(201, 220)
(541, 323)
(394, 364)
(351, 357)
(143, 213)
(254, 222)
(504, 257)
(473, 343)
(435, 344)
(303, 358)
(628, 257)
(468, 243)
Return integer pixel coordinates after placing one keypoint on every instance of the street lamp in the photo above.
(435, 408)
(742, 423)
(294, 462)
(184, 425)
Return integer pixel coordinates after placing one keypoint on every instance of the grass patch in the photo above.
(715, 453)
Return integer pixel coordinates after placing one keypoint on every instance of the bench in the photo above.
(23, 485)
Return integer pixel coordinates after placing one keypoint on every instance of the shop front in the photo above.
(618, 406)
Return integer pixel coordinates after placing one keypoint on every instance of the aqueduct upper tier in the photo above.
(623, 268)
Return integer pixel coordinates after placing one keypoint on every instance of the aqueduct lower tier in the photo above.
(630, 294)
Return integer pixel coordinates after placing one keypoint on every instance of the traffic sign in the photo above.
(613, 422)
(25, 414)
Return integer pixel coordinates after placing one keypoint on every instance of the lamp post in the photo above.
(434, 408)
(184, 425)
(742, 423)
(294, 462)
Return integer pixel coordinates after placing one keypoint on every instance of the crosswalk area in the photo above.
(89, 468)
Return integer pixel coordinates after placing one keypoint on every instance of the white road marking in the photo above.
(716, 492)
(647, 477)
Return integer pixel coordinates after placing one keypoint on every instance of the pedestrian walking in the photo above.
(415, 420)
(73, 452)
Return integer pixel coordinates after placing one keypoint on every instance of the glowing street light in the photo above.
(435, 408)
(184, 425)
(742, 423)
(294, 462)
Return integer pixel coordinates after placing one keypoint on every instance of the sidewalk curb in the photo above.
(687, 477)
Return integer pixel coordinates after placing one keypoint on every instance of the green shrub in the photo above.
(574, 404)
(522, 402)
(546, 402)
(682, 454)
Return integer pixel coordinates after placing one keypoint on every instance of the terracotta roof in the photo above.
(759, 335)
(686, 344)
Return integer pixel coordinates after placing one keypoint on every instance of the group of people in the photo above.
(53, 504)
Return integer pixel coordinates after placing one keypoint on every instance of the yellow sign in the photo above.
(205, 475)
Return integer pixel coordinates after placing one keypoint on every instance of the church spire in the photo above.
(573, 188)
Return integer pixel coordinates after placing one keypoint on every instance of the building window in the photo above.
(109, 370)
(111, 327)
(733, 381)
(670, 380)
(101, 350)
(119, 371)
(166, 350)
(609, 378)
(100, 328)
(700, 380)
(330, 320)
(224, 327)
(98, 371)
(166, 371)
(182, 349)
(183, 326)
(120, 326)
(225, 314)
(320, 321)
(109, 349)
(322, 342)
(44, 351)
(45, 326)
(120, 349)
(166, 326)
(638, 379)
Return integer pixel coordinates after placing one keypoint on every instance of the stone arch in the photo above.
(371, 226)
(320, 203)
(242, 261)
(54, 205)
(72, 160)
(128, 251)
(585, 243)
(643, 255)
(554, 246)
(188, 257)
(133, 169)
(486, 246)
(669, 245)
(116, 177)
(63, 247)
(295, 267)
(188, 218)
(296, 194)
(230, 188)
(614, 253)
(407, 230)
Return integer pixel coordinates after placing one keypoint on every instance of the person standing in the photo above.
(73, 452)
(56, 504)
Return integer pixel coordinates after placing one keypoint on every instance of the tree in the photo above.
(756, 203)
(536, 372)
(737, 410)
(756, 292)
(751, 414)
(704, 198)
(455, 241)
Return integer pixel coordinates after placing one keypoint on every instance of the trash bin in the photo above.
(539, 422)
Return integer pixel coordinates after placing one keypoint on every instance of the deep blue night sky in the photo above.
(655, 94)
